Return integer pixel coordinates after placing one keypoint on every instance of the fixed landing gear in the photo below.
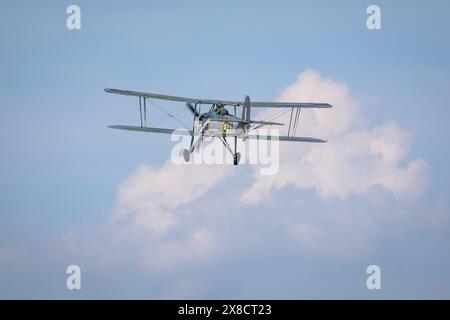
(236, 158)
(194, 146)
(186, 155)
(236, 155)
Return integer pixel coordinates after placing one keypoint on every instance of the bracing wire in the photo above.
(169, 115)
(271, 118)
(165, 117)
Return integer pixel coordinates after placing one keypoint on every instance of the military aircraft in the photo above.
(220, 122)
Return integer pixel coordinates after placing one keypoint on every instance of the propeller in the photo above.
(196, 115)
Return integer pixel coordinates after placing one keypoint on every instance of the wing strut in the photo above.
(140, 111)
(144, 123)
(293, 122)
(145, 112)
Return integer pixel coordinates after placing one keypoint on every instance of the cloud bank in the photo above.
(330, 204)
(356, 157)
(156, 205)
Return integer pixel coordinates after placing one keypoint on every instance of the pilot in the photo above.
(221, 110)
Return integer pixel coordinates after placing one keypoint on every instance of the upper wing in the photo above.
(224, 102)
(289, 105)
(173, 98)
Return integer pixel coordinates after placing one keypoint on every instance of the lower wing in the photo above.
(155, 130)
(189, 133)
(180, 132)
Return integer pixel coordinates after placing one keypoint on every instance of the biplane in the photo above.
(221, 120)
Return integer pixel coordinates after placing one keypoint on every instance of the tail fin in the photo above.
(246, 111)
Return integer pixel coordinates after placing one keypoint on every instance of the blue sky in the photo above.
(61, 167)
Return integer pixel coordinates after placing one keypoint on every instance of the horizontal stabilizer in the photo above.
(267, 123)
(285, 138)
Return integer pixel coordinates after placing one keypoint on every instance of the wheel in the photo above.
(236, 158)
(186, 155)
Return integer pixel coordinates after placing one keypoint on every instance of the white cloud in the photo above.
(439, 212)
(307, 234)
(197, 247)
(152, 223)
(149, 197)
(355, 158)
